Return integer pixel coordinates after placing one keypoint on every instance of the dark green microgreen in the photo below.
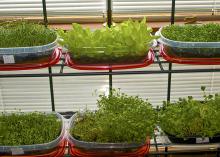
(119, 119)
(188, 117)
(193, 33)
(25, 34)
(28, 128)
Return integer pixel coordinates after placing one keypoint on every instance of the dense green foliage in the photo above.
(28, 128)
(24, 34)
(131, 38)
(119, 119)
(192, 118)
(193, 33)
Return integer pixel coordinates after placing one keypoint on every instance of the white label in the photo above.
(17, 151)
(8, 59)
(202, 140)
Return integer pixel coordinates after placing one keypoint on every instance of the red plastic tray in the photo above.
(194, 61)
(148, 60)
(141, 152)
(55, 57)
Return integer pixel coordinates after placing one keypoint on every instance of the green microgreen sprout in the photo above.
(188, 117)
(119, 119)
(25, 34)
(193, 33)
(28, 128)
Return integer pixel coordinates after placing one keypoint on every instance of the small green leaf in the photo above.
(203, 88)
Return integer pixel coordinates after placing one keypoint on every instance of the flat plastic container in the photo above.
(193, 61)
(193, 140)
(102, 55)
(93, 149)
(55, 148)
(48, 61)
(27, 55)
(189, 50)
(123, 63)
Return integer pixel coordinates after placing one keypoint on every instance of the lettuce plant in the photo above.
(130, 38)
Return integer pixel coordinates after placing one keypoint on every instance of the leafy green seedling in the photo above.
(192, 118)
(128, 39)
(119, 119)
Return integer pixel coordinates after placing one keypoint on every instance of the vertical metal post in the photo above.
(49, 69)
(173, 10)
(109, 13)
(110, 82)
(169, 82)
(170, 64)
(45, 12)
(166, 150)
(51, 89)
(109, 22)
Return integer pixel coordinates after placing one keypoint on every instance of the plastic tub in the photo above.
(102, 55)
(51, 60)
(27, 55)
(190, 50)
(194, 61)
(93, 149)
(55, 148)
(193, 140)
(141, 61)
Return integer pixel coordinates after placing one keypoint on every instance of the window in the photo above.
(68, 11)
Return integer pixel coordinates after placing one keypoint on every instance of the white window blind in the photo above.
(98, 7)
(54, 7)
(164, 6)
(80, 92)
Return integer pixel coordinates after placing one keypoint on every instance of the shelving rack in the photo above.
(160, 148)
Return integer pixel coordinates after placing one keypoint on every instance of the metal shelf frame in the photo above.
(111, 73)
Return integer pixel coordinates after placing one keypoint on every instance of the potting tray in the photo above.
(93, 149)
(124, 63)
(195, 61)
(166, 146)
(48, 60)
(29, 55)
(193, 140)
(55, 148)
(189, 52)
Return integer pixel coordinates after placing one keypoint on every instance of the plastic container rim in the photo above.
(34, 146)
(184, 44)
(31, 49)
(96, 145)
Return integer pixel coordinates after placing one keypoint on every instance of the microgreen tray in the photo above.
(122, 63)
(94, 149)
(195, 51)
(194, 61)
(193, 140)
(54, 148)
(49, 60)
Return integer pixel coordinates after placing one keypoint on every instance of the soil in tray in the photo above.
(177, 52)
(86, 60)
(193, 140)
(33, 152)
(30, 58)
